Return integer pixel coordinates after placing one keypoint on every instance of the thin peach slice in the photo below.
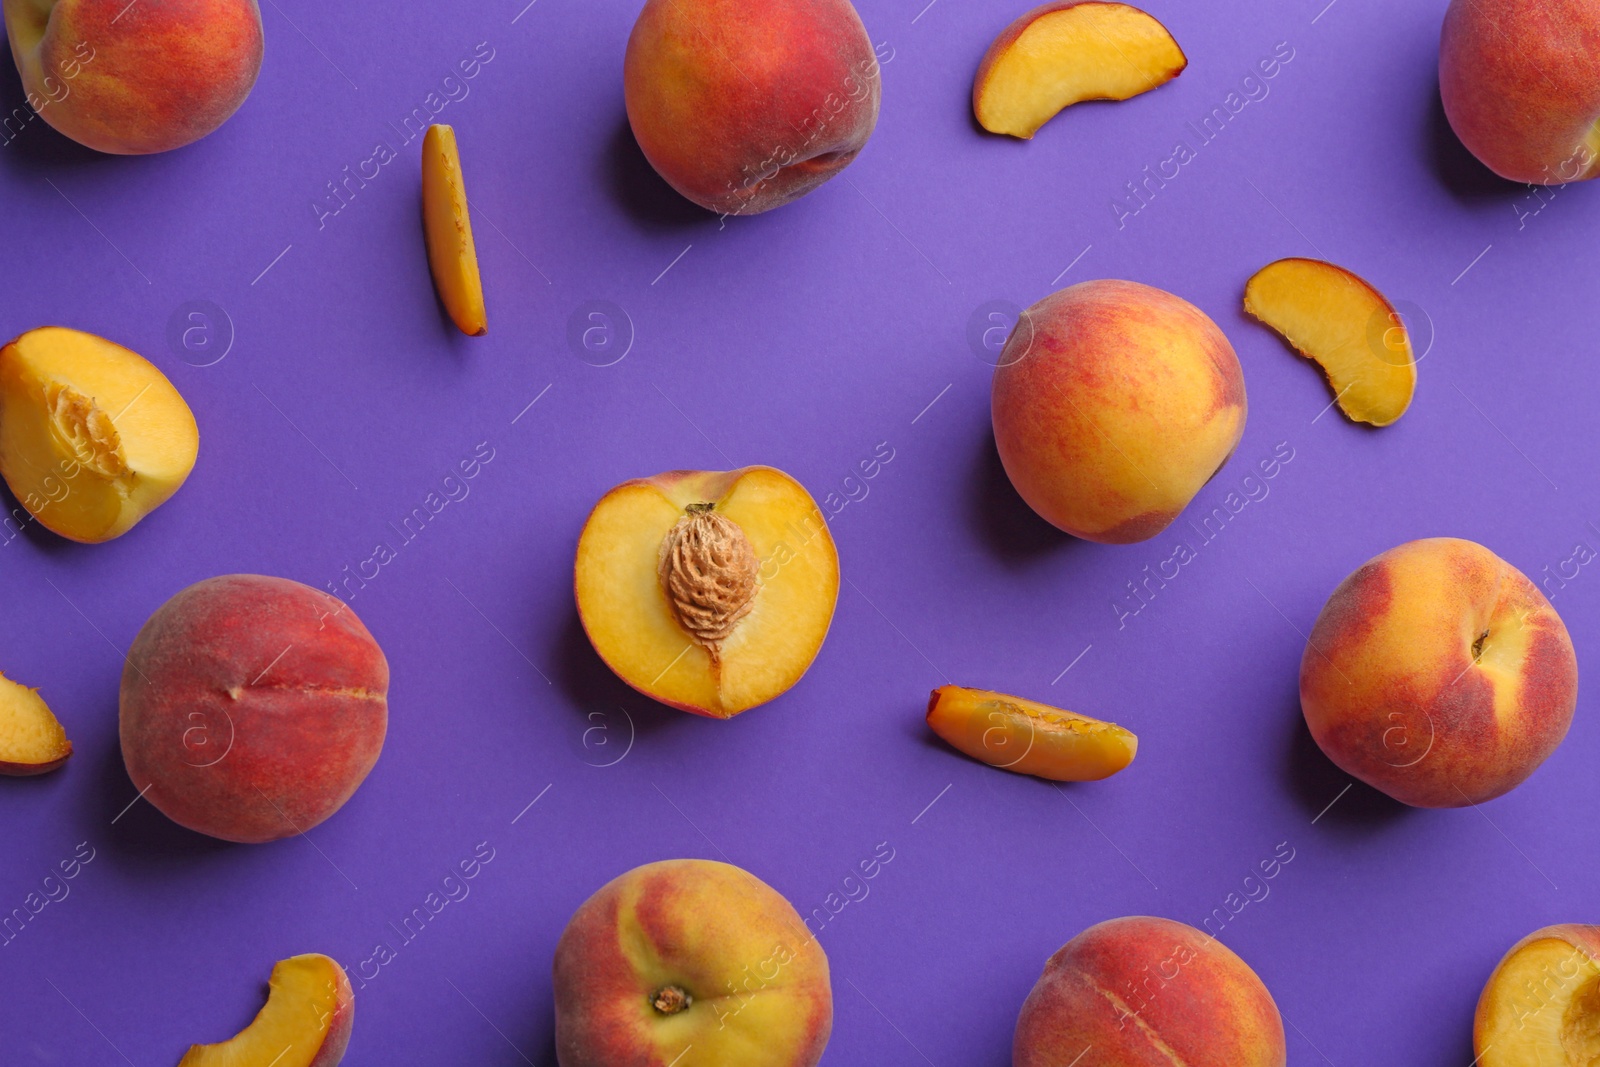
(710, 591)
(1027, 737)
(452, 256)
(1065, 52)
(1541, 1006)
(31, 740)
(92, 436)
(305, 1022)
(1345, 326)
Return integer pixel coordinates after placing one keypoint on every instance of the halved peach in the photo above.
(1065, 52)
(1027, 737)
(305, 1022)
(1541, 1006)
(1347, 327)
(31, 739)
(92, 436)
(710, 591)
(447, 228)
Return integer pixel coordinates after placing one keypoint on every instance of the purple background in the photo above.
(802, 338)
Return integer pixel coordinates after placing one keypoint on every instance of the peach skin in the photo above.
(1113, 404)
(133, 78)
(691, 963)
(1067, 51)
(1025, 737)
(1147, 992)
(1541, 1006)
(252, 707)
(744, 107)
(1520, 81)
(1439, 674)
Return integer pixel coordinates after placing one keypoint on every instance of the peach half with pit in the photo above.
(710, 591)
(92, 436)
(252, 707)
(1541, 1005)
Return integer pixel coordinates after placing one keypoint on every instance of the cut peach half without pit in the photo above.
(710, 591)
(1345, 326)
(31, 740)
(1066, 52)
(92, 436)
(1541, 1006)
(447, 226)
(305, 1022)
(1027, 737)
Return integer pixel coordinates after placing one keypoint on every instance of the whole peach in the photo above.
(140, 77)
(743, 107)
(1113, 404)
(1520, 82)
(1148, 992)
(1438, 673)
(252, 707)
(690, 955)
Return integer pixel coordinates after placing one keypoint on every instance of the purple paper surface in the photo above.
(333, 397)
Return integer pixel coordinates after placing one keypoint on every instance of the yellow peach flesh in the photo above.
(452, 255)
(633, 627)
(309, 1001)
(1027, 737)
(1056, 56)
(1347, 327)
(31, 739)
(92, 436)
(1541, 1006)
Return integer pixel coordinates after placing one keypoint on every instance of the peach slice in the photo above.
(452, 256)
(1343, 324)
(92, 436)
(1542, 1003)
(710, 591)
(305, 1022)
(1065, 52)
(31, 740)
(1020, 735)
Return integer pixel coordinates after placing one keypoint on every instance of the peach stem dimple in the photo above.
(670, 1000)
